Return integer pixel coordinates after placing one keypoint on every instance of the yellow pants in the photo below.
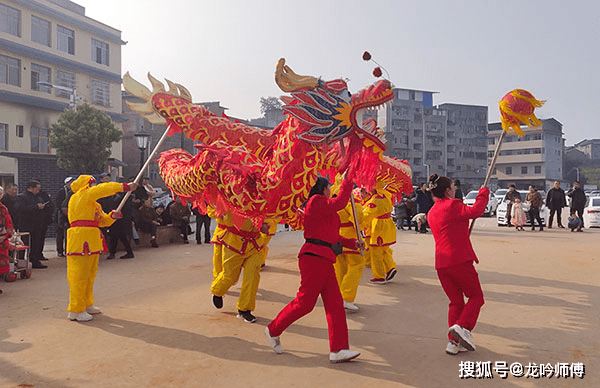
(217, 260)
(81, 273)
(232, 267)
(348, 271)
(381, 261)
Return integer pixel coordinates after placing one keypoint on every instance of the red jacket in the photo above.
(449, 223)
(322, 222)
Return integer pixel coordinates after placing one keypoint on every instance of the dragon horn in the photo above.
(288, 81)
(157, 86)
(135, 88)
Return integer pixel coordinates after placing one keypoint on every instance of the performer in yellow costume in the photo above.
(365, 196)
(223, 223)
(85, 242)
(240, 248)
(377, 212)
(349, 265)
(266, 238)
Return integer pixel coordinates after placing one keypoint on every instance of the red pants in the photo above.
(317, 277)
(459, 281)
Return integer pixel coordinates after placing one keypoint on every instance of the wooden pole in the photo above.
(144, 167)
(490, 169)
(358, 236)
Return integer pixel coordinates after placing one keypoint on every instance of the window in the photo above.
(100, 93)
(64, 78)
(10, 20)
(40, 74)
(508, 170)
(523, 170)
(65, 40)
(3, 136)
(19, 131)
(40, 31)
(538, 169)
(39, 140)
(10, 70)
(99, 52)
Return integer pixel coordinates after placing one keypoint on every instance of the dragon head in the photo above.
(329, 110)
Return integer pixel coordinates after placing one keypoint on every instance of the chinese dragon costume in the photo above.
(260, 174)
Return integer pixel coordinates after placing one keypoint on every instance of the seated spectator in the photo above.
(148, 221)
(180, 215)
(162, 217)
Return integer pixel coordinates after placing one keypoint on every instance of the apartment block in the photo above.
(51, 57)
(449, 139)
(537, 158)
(591, 148)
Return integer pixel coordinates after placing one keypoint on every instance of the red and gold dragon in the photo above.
(260, 174)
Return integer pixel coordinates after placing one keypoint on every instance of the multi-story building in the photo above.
(589, 147)
(449, 139)
(533, 159)
(51, 56)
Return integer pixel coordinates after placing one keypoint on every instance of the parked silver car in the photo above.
(492, 204)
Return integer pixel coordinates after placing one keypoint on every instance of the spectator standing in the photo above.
(401, 213)
(458, 194)
(535, 205)
(180, 215)
(424, 203)
(11, 201)
(46, 220)
(120, 230)
(31, 212)
(62, 218)
(555, 201)
(148, 221)
(202, 220)
(578, 200)
(511, 195)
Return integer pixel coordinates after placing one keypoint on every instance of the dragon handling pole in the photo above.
(358, 236)
(490, 169)
(144, 167)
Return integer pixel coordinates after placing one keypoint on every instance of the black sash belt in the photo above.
(336, 248)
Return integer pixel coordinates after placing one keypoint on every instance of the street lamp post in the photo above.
(143, 141)
(72, 92)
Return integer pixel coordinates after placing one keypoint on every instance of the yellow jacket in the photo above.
(377, 211)
(86, 216)
(347, 228)
(241, 240)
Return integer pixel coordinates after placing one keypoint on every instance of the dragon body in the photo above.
(257, 173)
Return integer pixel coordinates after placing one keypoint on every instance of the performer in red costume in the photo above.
(454, 257)
(317, 275)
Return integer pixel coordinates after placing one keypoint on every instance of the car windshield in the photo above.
(471, 195)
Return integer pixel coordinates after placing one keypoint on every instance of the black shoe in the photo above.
(217, 301)
(186, 241)
(110, 257)
(199, 242)
(207, 241)
(38, 265)
(43, 258)
(60, 254)
(549, 226)
(247, 316)
(127, 256)
(136, 241)
(541, 229)
(390, 275)
(560, 226)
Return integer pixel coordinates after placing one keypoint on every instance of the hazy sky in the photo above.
(470, 52)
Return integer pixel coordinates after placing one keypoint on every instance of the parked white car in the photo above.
(491, 207)
(499, 194)
(591, 213)
(501, 211)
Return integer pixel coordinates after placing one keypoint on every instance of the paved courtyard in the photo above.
(159, 328)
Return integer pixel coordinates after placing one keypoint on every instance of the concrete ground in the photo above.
(159, 328)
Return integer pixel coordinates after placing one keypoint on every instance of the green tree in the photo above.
(269, 103)
(83, 139)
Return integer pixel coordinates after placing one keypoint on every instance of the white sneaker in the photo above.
(93, 309)
(350, 306)
(274, 342)
(79, 317)
(454, 347)
(343, 355)
(463, 336)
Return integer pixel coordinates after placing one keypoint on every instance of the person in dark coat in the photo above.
(555, 201)
(424, 203)
(10, 200)
(578, 200)
(121, 228)
(458, 194)
(31, 215)
(62, 219)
